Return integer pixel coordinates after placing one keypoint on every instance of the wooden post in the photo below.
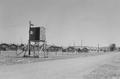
(29, 52)
(44, 50)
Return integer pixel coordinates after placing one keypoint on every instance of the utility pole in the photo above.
(81, 43)
(74, 44)
(98, 47)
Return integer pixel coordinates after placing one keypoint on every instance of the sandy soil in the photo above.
(10, 58)
(91, 67)
(108, 70)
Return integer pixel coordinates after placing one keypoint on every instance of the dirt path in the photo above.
(76, 68)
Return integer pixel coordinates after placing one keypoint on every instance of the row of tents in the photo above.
(49, 48)
(52, 48)
(66, 49)
(5, 47)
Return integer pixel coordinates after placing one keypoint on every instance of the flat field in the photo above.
(10, 57)
(65, 66)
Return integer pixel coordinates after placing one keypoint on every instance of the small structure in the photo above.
(54, 49)
(70, 49)
(4, 47)
(13, 47)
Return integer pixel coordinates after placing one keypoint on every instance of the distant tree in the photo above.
(112, 47)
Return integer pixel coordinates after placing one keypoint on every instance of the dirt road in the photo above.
(75, 68)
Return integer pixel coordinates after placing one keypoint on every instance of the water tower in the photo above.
(36, 42)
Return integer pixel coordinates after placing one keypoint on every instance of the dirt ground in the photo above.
(77, 66)
(10, 58)
(109, 70)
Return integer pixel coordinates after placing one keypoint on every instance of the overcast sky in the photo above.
(66, 21)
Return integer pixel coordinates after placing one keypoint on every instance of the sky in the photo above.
(67, 22)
